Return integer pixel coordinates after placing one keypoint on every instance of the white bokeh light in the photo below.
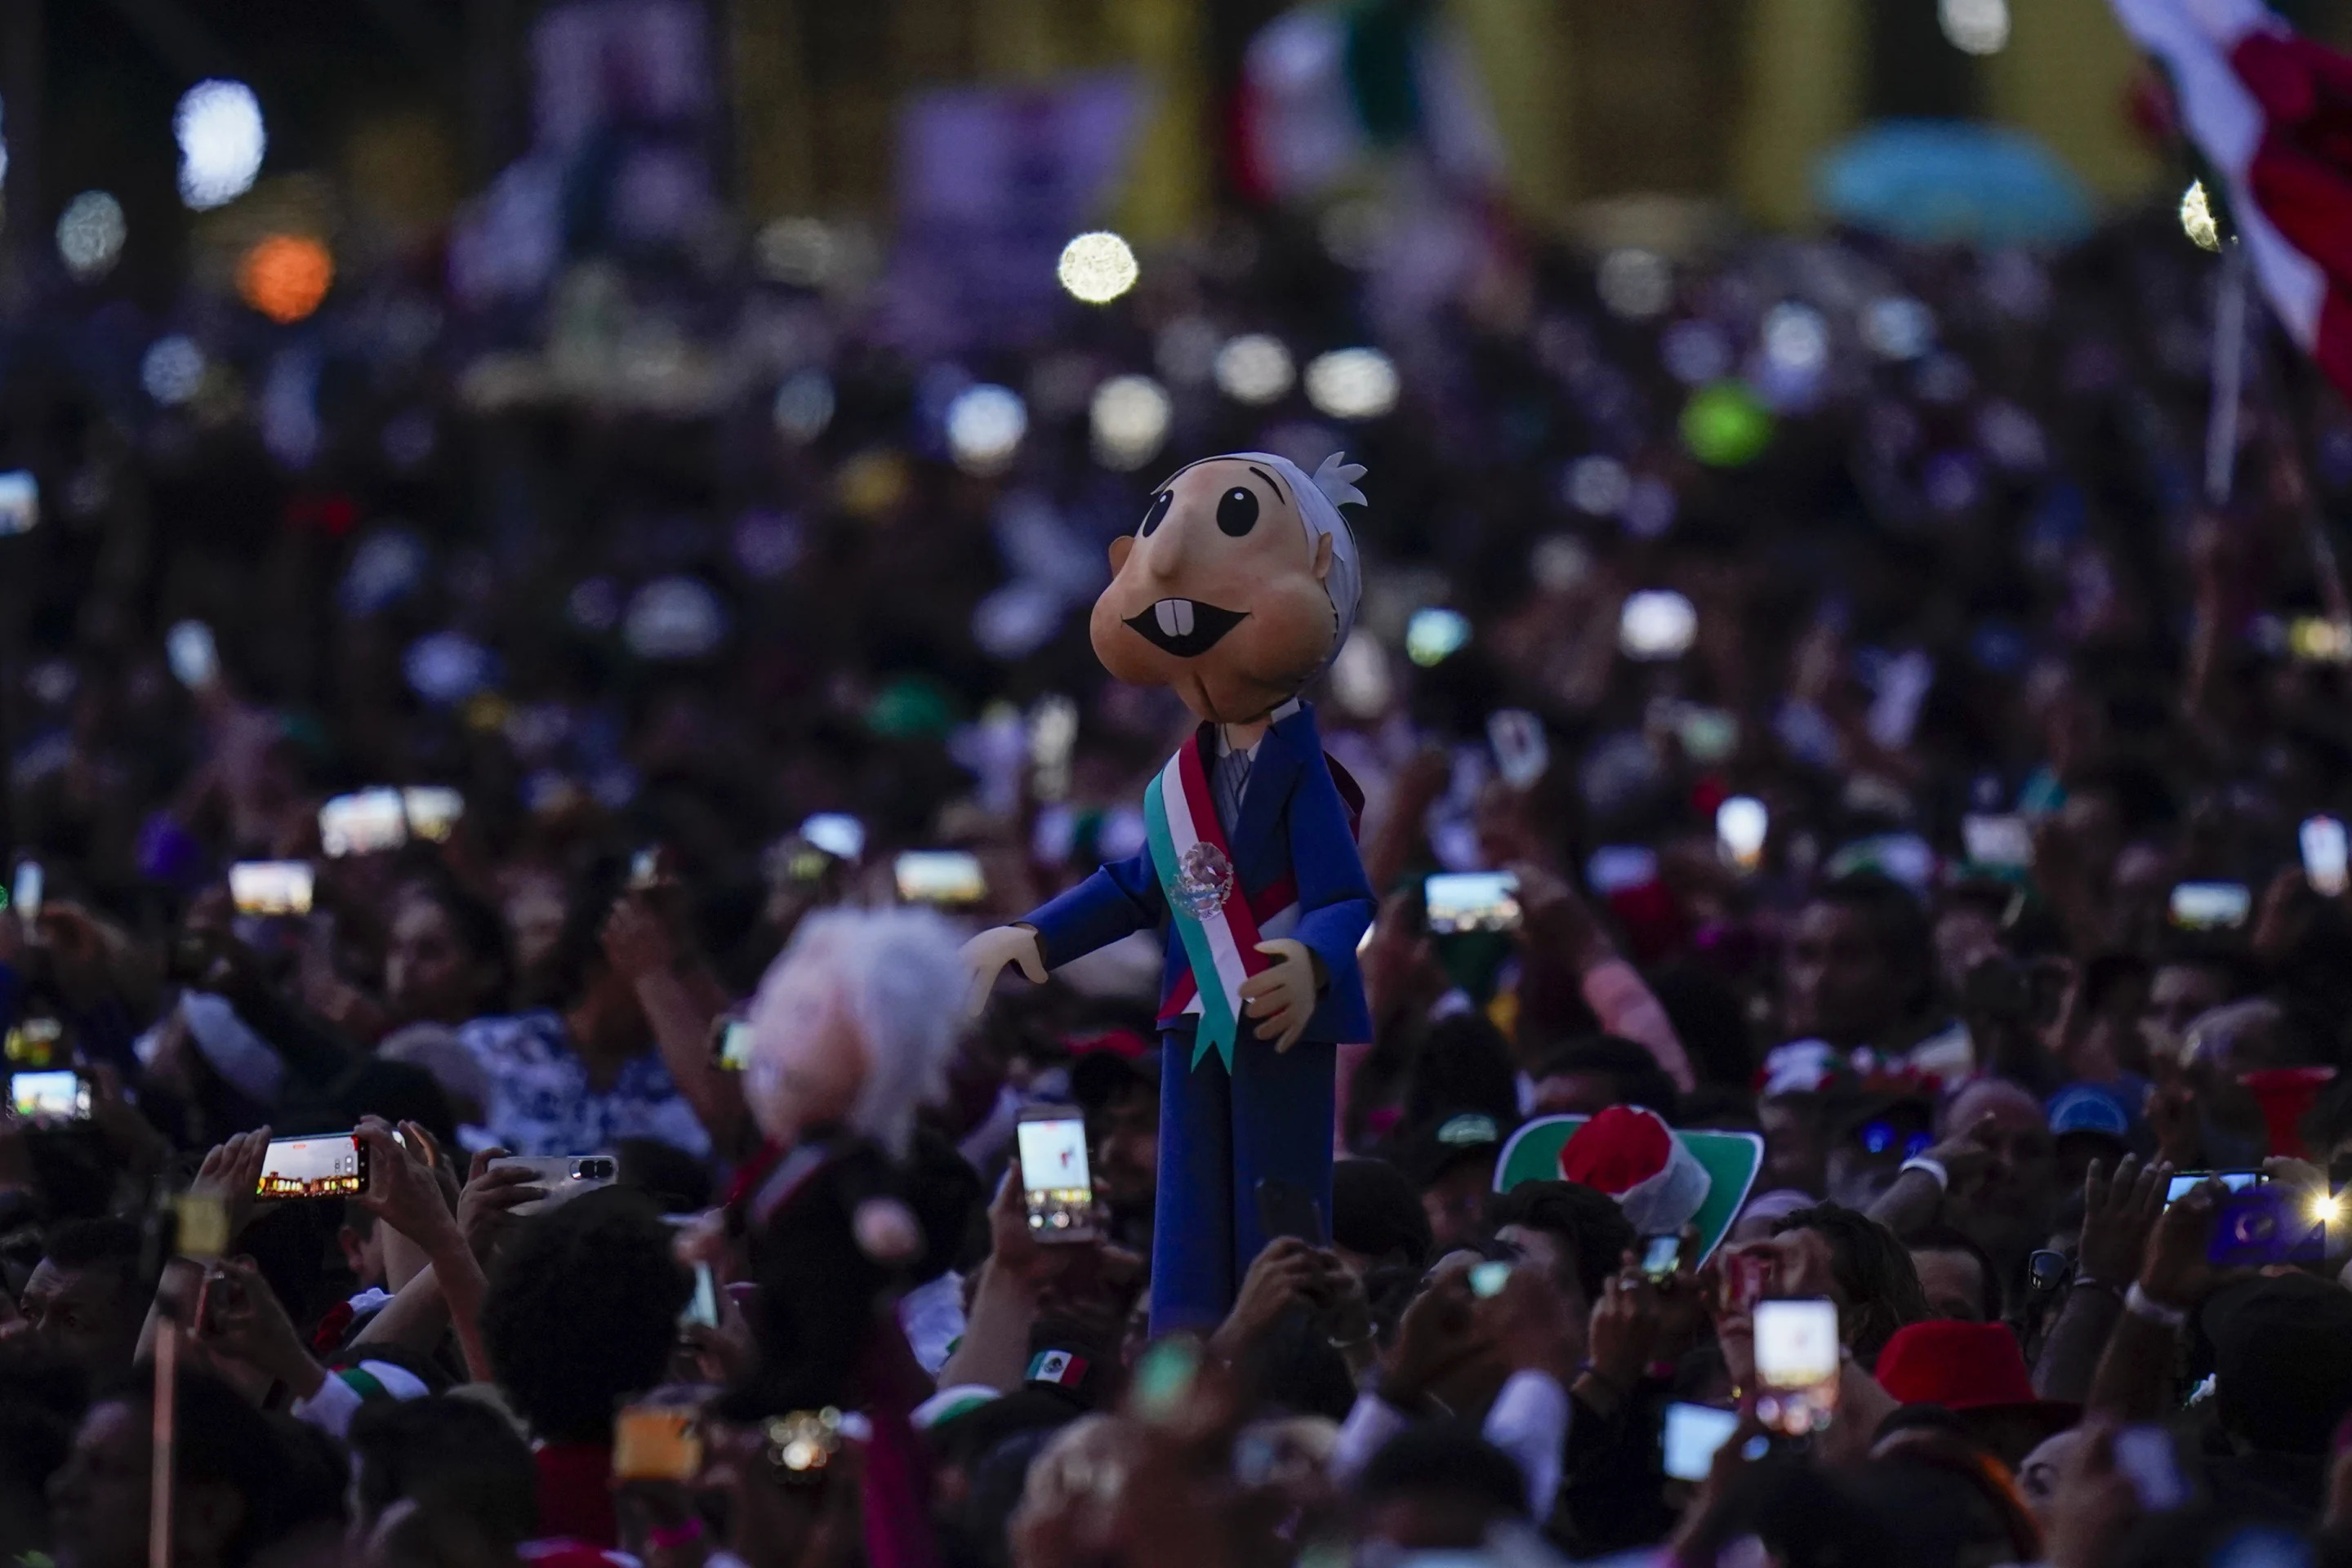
(1129, 418)
(1096, 268)
(172, 370)
(1352, 384)
(985, 423)
(1975, 27)
(221, 137)
(90, 233)
(1254, 368)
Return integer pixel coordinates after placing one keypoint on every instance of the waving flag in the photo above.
(2273, 113)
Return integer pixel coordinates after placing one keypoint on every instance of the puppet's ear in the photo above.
(1120, 549)
(1322, 556)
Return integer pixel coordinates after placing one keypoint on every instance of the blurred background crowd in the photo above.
(505, 510)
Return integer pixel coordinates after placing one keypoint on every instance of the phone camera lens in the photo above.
(598, 1170)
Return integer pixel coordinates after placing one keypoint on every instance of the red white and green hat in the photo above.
(1664, 1179)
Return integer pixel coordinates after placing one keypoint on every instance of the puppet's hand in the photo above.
(1283, 997)
(985, 956)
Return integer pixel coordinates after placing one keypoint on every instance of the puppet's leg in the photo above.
(1192, 1278)
(1282, 1105)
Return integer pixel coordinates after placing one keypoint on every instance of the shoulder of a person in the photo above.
(504, 1031)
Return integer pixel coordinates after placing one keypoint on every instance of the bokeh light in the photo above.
(1796, 339)
(222, 140)
(1096, 268)
(1656, 624)
(1352, 384)
(1726, 425)
(1598, 485)
(172, 370)
(1898, 327)
(2197, 217)
(804, 405)
(1435, 635)
(90, 233)
(1254, 368)
(284, 277)
(1975, 27)
(985, 423)
(1740, 826)
(1129, 417)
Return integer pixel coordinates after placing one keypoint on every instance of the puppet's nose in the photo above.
(1164, 553)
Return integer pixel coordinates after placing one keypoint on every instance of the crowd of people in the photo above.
(1908, 554)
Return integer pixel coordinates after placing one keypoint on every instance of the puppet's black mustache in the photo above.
(1185, 627)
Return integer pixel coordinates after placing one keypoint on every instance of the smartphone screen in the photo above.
(1488, 1279)
(1521, 753)
(2324, 856)
(950, 878)
(368, 823)
(329, 1165)
(1796, 1365)
(656, 1443)
(735, 1045)
(1694, 1432)
(49, 1097)
(434, 811)
(702, 1307)
(271, 887)
(2003, 842)
(20, 501)
(2184, 1182)
(1055, 1183)
(2212, 906)
(2266, 1225)
(24, 892)
(1660, 1255)
(1461, 901)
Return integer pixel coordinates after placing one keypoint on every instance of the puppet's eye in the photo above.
(1159, 505)
(1236, 511)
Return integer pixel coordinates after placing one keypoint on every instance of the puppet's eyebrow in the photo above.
(1269, 478)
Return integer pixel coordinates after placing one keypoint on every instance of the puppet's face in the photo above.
(1219, 595)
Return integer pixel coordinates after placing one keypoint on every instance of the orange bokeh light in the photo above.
(284, 277)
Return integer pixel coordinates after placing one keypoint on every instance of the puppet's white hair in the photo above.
(898, 977)
(1320, 496)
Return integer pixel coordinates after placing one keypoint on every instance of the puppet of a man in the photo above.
(1238, 588)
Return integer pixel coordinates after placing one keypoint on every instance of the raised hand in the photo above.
(2118, 1214)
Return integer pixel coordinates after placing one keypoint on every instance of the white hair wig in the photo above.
(1320, 496)
(896, 978)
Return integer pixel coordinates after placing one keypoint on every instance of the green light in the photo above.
(1724, 425)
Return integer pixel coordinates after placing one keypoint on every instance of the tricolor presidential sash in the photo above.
(1205, 897)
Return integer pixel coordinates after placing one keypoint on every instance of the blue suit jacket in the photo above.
(1292, 825)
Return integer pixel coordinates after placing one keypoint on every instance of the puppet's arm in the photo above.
(1121, 898)
(1335, 906)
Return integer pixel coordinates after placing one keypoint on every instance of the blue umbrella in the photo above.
(1951, 181)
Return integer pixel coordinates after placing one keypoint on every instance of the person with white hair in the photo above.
(1237, 589)
(852, 1030)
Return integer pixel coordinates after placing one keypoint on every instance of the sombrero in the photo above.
(1729, 1159)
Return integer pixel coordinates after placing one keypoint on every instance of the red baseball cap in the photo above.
(1965, 1367)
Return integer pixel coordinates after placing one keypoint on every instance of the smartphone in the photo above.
(702, 1307)
(37, 1043)
(326, 1165)
(2264, 1225)
(216, 1292)
(2183, 1183)
(24, 892)
(367, 823)
(2314, 639)
(734, 1052)
(951, 879)
(1055, 1187)
(434, 811)
(1796, 1365)
(1462, 902)
(1660, 1256)
(271, 887)
(49, 1099)
(565, 1176)
(1522, 755)
(2004, 843)
(656, 1443)
(1286, 1208)
(189, 649)
(2212, 906)
(1488, 1279)
(1694, 1432)
(20, 501)
(2324, 856)
(2146, 1457)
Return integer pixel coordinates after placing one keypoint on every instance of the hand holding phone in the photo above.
(49, 1099)
(1056, 1186)
(1798, 1359)
(950, 878)
(1462, 902)
(322, 1165)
